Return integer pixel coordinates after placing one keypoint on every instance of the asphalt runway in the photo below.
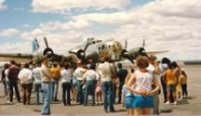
(189, 106)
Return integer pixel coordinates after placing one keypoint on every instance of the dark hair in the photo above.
(119, 65)
(174, 64)
(54, 65)
(170, 66)
(142, 62)
(165, 60)
(132, 70)
(92, 66)
(12, 62)
(107, 58)
(26, 65)
(6, 66)
(66, 66)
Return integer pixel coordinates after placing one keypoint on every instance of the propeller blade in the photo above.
(46, 43)
(157, 52)
(72, 52)
(91, 41)
(86, 46)
(143, 43)
(126, 44)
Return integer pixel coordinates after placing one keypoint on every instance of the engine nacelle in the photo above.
(48, 53)
(81, 54)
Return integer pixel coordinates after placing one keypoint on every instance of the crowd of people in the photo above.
(137, 88)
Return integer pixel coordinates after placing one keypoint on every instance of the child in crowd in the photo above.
(171, 81)
(128, 95)
(178, 88)
(183, 77)
(98, 92)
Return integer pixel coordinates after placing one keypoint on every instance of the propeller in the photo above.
(133, 53)
(124, 52)
(81, 53)
(48, 52)
(141, 50)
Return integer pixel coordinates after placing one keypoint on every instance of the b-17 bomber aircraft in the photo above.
(93, 50)
(112, 49)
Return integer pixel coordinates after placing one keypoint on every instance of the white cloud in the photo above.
(165, 24)
(177, 8)
(18, 47)
(2, 5)
(10, 32)
(62, 6)
(71, 25)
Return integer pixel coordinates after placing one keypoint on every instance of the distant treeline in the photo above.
(192, 62)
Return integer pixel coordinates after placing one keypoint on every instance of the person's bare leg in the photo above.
(146, 111)
(138, 111)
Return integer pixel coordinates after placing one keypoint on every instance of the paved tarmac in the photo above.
(189, 106)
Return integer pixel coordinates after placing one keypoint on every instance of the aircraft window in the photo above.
(103, 46)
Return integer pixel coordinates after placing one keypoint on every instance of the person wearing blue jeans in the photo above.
(3, 78)
(5, 87)
(108, 95)
(106, 71)
(47, 93)
(53, 90)
(90, 86)
(13, 80)
(90, 76)
(46, 78)
(38, 91)
(78, 73)
(37, 81)
(14, 84)
(80, 92)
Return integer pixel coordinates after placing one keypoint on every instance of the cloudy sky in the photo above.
(172, 25)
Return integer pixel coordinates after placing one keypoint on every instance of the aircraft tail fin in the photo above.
(35, 45)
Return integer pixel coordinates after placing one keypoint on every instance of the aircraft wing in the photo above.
(156, 52)
(17, 57)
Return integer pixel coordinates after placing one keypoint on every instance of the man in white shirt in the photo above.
(66, 77)
(106, 71)
(37, 82)
(25, 76)
(90, 76)
(79, 72)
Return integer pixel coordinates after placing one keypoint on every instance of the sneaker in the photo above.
(9, 102)
(180, 99)
(175, 103)
(167, 102)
